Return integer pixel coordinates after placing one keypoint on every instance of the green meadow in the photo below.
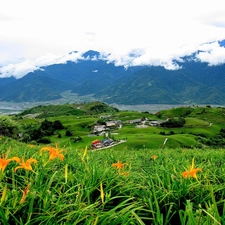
(202, 127)
(158, 175)
(85, 188)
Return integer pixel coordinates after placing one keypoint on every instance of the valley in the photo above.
(93, 78)
(83, 123)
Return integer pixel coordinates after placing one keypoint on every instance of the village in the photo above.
(110, 125)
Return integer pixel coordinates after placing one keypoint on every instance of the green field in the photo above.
(86, 187)
(202, 126)
(157, 175)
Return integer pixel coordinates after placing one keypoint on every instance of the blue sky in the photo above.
(37, 33)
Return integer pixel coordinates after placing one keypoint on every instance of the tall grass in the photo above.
(85, 188)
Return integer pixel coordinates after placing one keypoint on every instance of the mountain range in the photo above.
(194, 83)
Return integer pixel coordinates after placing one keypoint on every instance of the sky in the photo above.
(37, 33)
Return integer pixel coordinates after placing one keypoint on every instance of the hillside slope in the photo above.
(194, 83)
(155, 85)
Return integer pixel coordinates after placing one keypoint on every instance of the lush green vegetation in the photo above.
(73, 124)
(68, 109)
(8, 127)
(158, 175)
(195, 83)
(145, 186)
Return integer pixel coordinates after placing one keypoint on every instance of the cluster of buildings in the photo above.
(145, 121)
(117, 124)
(108, 126)
(101, 144)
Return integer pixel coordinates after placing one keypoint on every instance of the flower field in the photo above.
(62, 185)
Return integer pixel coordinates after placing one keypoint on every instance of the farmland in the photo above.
(202, 128)
(144, 180)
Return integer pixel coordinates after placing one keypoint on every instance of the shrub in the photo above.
(8, 127)
(174, 122)
(68, 133)
(57, 125)
(44, 140)
(171, 132)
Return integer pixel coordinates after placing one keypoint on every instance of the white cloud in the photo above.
(20, 69)
(129, 32)
(213, 54)
(17, 70)
(214, 18)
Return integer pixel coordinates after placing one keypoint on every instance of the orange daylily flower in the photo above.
(25, 192)
(192, 172)
(26, 165)
(118, 165)
(4, 162)
(54, 152)
(154, 157)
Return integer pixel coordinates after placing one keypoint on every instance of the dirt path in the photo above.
(110, 146)
(164, 142)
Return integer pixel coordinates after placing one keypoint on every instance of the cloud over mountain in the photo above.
(212, 53)
(129, 32)
(20, 69)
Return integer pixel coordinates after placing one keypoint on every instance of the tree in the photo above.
(57, 125)
(47, 127)
(174, 122)
(8, 127)
(68, 133)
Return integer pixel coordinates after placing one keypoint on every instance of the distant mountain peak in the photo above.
(92, 75)
(91, 54)
(70, 53)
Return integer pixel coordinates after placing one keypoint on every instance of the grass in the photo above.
(183, 140)
(149, 188)
(195, 122)
(136, 138)
(203, 122)
(84, 188)
(209, 114)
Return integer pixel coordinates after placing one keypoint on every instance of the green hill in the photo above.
(80, 124)
(90, 108)
(207, 113)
